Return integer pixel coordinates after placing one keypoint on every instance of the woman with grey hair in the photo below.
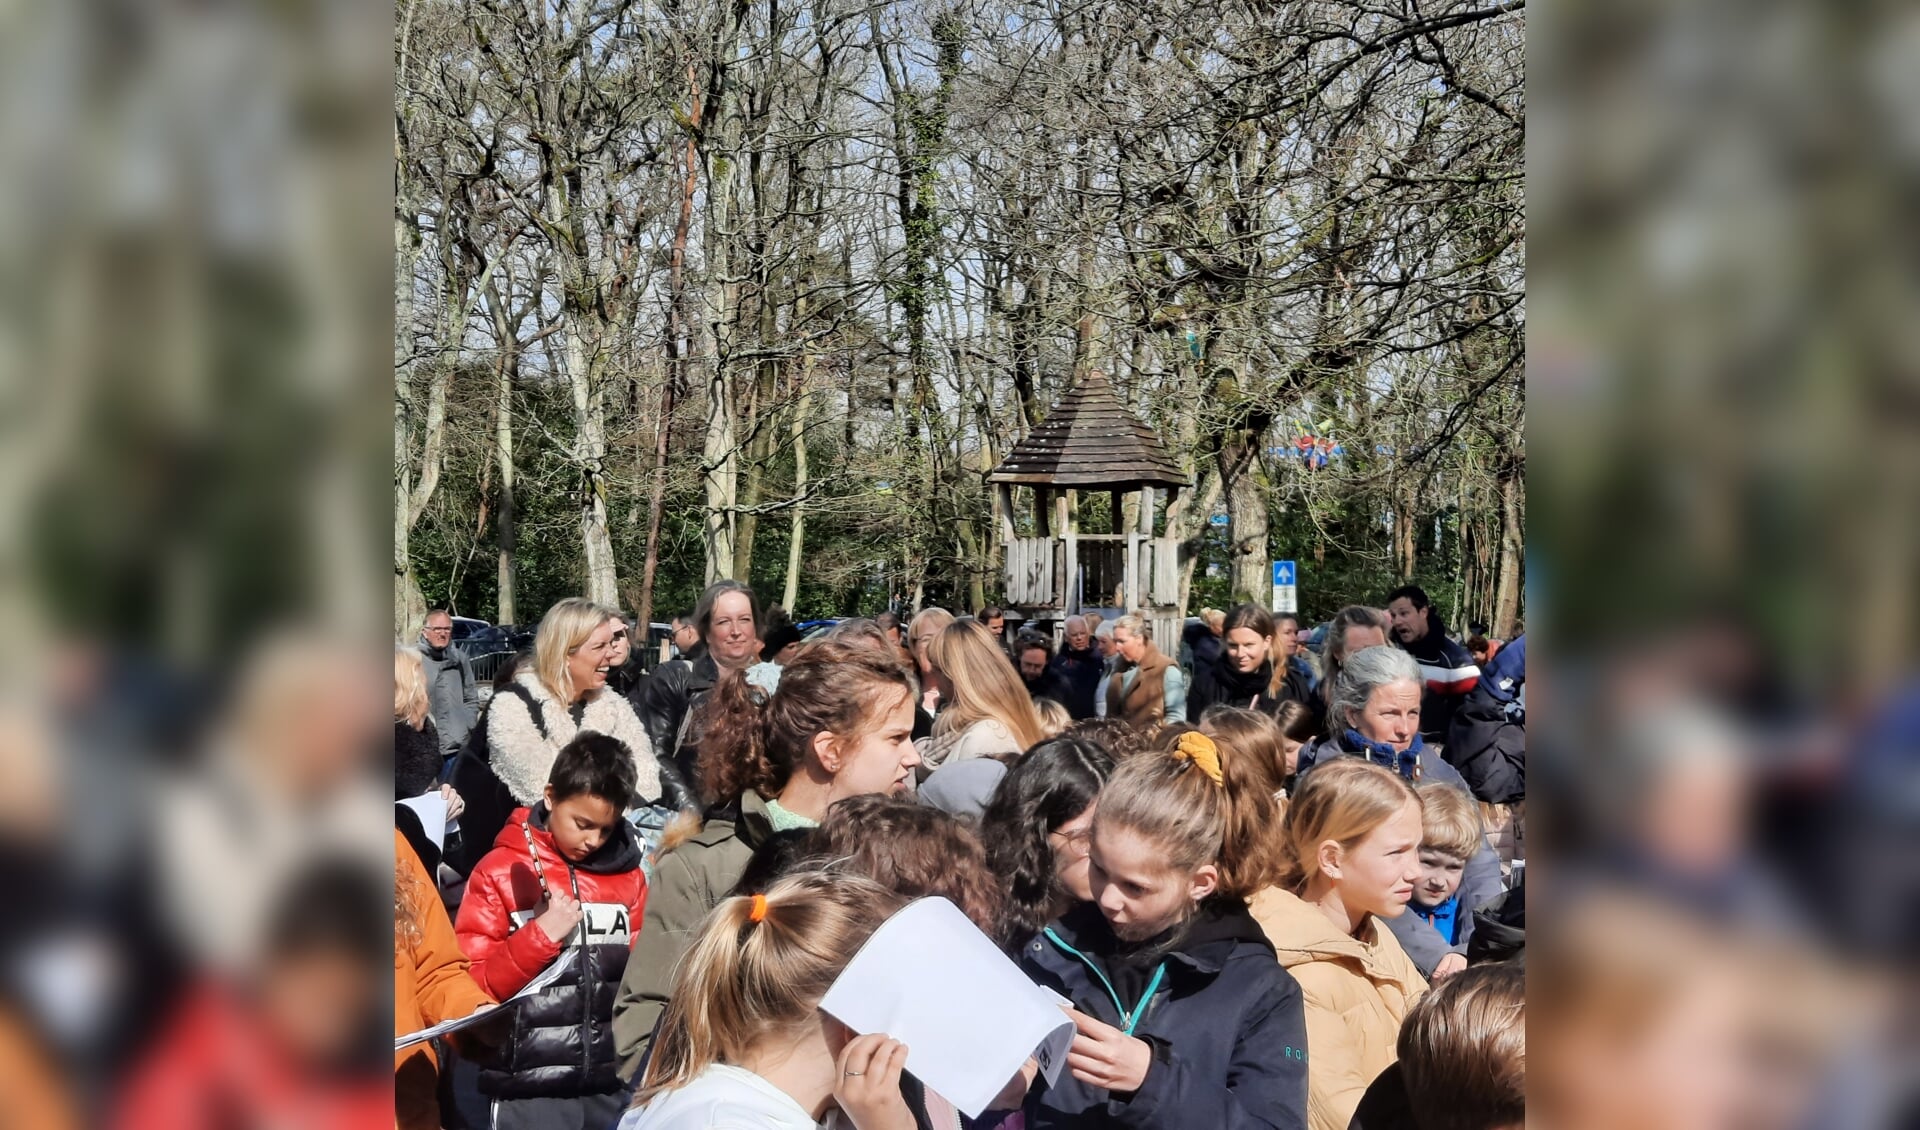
(1373, 711)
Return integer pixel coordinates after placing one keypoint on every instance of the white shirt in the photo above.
(726, 1098)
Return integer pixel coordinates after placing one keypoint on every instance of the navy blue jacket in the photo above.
(1226, 1024)
(1082, 671)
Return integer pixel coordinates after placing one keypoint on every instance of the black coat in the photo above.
(561, 1042)
(1218, 684)
(663, 701)
(1082, 671)
(1488, 748)
(417, 760)
(1226, 1024)
(1447, 675)
(1051, 685)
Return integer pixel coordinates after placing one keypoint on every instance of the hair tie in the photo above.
(1199, 748)
(759, 911)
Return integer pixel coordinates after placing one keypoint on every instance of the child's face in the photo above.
(1439, 877)
(580, 824)
(1290, 750)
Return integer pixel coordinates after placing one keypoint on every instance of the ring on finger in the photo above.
(853, 1073)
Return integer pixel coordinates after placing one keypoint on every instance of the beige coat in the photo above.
(1357, 992)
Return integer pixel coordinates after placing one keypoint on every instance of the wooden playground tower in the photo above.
(1091, 442)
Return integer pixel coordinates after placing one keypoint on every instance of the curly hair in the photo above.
(1051, 785)
(914, 851)
(753, 740)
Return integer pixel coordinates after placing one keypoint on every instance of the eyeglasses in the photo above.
(437, 631)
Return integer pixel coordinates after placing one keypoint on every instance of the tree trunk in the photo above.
(1506, 601)
(1250, 567)
(798, 533)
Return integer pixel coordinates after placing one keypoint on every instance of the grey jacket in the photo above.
(452, 700)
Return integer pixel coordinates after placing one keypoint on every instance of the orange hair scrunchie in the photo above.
(759, 911)
(1199, 749)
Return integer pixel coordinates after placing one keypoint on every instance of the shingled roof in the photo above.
(1090, 440)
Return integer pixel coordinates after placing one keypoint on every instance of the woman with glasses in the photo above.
(1036, 830)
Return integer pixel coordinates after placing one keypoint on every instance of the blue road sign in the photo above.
(1283, 572)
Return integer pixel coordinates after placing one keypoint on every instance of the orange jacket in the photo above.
(431, 982)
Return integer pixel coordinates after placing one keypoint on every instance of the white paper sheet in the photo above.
(930, 979)
(432, 810)
(540, 981)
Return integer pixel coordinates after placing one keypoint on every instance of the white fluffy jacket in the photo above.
(522, 759)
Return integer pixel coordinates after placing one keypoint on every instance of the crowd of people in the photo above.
(1272, 884)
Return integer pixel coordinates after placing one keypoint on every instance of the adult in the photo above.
(1147, 688)
(1080, 665)
(417, 761)
(1354, 628)
(1242, 674)
(455, 702)
(994, 619)
(563, 693)
(1109, 662)
(1375, 716)
(1293, 678)
(1037, 829)
(623, 674)
(686, 638)
(934, 691)
(1033, 653)
(1349, 858)
(726, 620)
(896, 633)
(1201, 638)
(840, 725)
(1487, 737)
(1447, 670)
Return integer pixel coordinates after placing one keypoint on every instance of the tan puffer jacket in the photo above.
(1357, 991)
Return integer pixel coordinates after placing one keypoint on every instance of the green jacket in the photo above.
(688, 881)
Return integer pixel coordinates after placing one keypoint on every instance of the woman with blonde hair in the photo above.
(416, 743)
(744, 1042)
(1148, 689)
(1349, 858)
(562, 693)
(921, 630)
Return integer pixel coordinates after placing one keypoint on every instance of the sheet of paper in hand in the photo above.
(540, 982)
(930, 979)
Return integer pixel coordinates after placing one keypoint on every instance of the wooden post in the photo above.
(1070, 595)
(1066, 524)
(1004, 492)
(1114, 526)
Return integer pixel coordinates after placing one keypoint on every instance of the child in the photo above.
(563, 874)
(1463, 1052)
(1450, 833)
(743, 1041)
(1184, 1017)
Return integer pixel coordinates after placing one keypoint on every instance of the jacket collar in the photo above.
(621, 853)
(1405, 762)
(1302, 934)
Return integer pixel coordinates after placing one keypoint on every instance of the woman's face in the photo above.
(882, 759)
(922, 651)
(1377, 874)
(1247, 649)
(620, 646)
(731, 634)
(1132, 648)
(1071, 842)
(587, 664)
(1137, 889)
(1392, 715)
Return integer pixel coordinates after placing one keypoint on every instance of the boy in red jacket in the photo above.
(563, 882)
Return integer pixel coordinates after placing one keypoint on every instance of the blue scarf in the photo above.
(1445, 917)
(1406, 762)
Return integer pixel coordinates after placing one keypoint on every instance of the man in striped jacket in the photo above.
(1447, 672)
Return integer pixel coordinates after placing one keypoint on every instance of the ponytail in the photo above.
(753, 740)
(758, 970)
(1201, 801)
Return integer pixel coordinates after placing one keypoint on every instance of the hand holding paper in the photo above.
(1104, 1056)
(967, 1015)
(869, 1083)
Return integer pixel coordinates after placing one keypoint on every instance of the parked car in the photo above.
(814, 629)
(477, 637)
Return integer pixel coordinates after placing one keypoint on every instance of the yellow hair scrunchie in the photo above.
(1199, 749)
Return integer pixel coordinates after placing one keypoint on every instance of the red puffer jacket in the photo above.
(562, 1042)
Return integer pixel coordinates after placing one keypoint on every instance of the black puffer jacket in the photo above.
(416, 758)
(1219, 684)
(561, 1041)
(1488, 748)
(1226, 1023)
(663, 701)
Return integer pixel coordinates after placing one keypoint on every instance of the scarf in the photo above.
(1406, 762)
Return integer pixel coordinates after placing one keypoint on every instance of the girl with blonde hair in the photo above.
(417, 762)
(990, 713)
(744, 1042)
(1183, 1017)
(1348, 859)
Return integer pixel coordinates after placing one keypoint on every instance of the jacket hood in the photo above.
(621, 853)
(1301, 934)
